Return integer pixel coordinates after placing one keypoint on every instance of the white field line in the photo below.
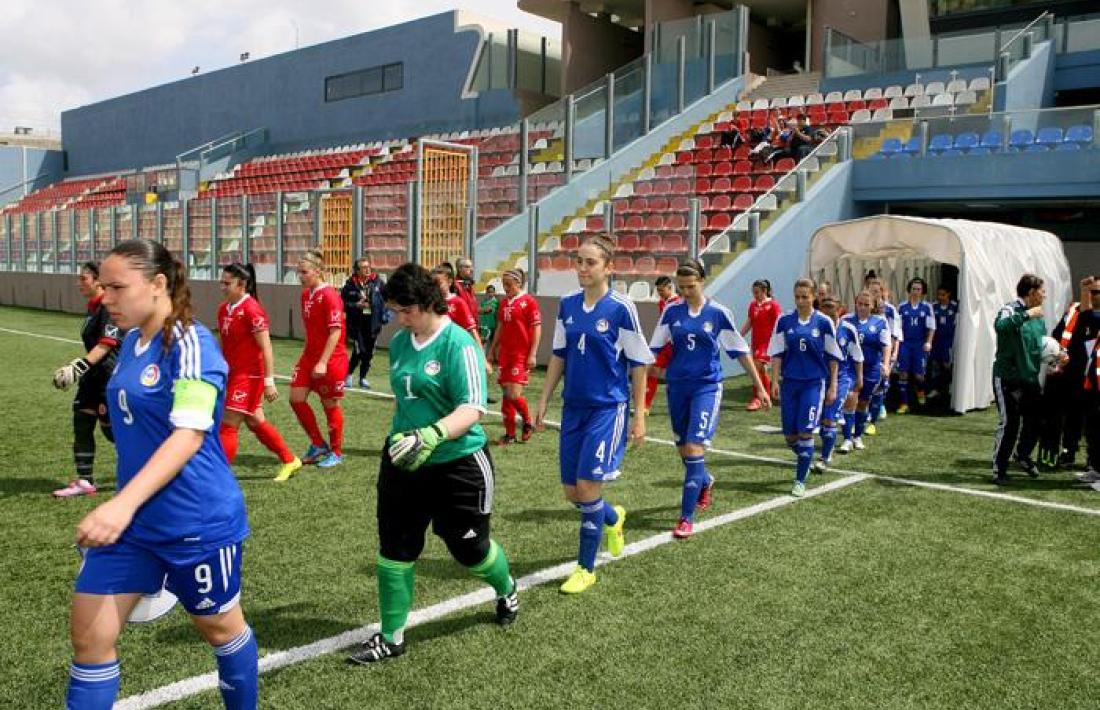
(992, 495)
(280, 659)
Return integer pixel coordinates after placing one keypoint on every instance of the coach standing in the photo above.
(366, 314)
(1020, 331)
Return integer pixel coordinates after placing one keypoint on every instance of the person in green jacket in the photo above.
(487, 314)
(1020, 331)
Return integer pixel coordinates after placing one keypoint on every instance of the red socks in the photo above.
(650, 390)
(766, 381)
(335, 417)
(308, 420)
(230, 440)
(520, 406)
(508, 411)
(270, 437)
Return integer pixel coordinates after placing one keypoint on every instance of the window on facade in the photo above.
(365, 82)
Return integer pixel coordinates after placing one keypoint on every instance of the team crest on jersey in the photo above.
(150, 375)
(873, 330)
(708, 327)
(431, 368)
(602, 325)
(815, 332)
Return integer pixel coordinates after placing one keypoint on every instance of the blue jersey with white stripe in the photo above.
(874, 340)
(890, 313)
(599, 345)
(806, 347)
(847, 339)
(203, 505)
(946, 317)
(916, 321)
(697, 341)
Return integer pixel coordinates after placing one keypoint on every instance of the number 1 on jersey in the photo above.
(408, 388)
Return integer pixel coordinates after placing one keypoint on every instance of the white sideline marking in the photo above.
(994, 495)
(280, 659)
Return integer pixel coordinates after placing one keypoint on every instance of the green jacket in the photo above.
(1019, 344)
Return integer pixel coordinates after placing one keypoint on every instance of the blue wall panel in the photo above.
(1079, 70)
(285, 94)
(18, 164)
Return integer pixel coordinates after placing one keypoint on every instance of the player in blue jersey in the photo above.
(807, 359)
(918, 327)
(178, 518)
(849, 380)
(940, 362)
(699, 329)
(876, 342)
(887, 310)
(600, 351)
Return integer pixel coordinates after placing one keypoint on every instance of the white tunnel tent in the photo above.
(990, 258)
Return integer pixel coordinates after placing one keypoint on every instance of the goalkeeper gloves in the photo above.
(411, 449)
(67, 375)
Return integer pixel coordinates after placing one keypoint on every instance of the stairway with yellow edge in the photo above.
(554, 152)
(903, 128)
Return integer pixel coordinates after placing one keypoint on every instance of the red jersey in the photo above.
(460, 313)
(323, 310)
(666, 302)
(516, 319)
(466, 293)
(238, 324)
(762, 316)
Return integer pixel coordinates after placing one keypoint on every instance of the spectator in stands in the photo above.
(487, 314)
(366, 314)
(731, 137)
(1020, 332)
(464, 283)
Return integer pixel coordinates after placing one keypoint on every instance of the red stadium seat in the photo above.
(570, 242)
(652, 242)
(673, 242)
(763, 184)
(742, 183)
(645, 265)
(720, 203)
(628, 242)
(703, 170)
(723, 168)
(742, 203)
(702, 186)
(721, 185)
(743, 167)
(561, 262)
(658, 204)
(623, 264)
(666, 265)
(718, 222)
(675, 222)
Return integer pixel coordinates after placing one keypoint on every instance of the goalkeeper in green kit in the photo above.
(435, 465)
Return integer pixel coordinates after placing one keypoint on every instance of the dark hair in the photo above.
(917, 280)
(1027, 284)
(445, 269)
(412, 285)
(692, 267)
(806, 283)
(153, 258)
(355, 264)
(764, 284)
(244, 272)
(92, 266)
(663, 281)
(605, 243)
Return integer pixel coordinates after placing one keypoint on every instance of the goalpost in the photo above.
(446, 202)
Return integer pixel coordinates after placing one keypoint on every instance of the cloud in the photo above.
(60, 54)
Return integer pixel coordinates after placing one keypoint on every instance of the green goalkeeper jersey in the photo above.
(432, 379)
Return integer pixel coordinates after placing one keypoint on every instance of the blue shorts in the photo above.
(912, 359)
(800, 406)
(871, 387)
(206, 581)
(941, 357)
(832, 411)
(693, 409)
(593, 441)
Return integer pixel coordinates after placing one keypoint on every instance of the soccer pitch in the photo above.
(918, 586)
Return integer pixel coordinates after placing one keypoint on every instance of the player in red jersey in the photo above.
(243, 326)
(323, 364)
(764, 311)
(515, 344)
(666, 296)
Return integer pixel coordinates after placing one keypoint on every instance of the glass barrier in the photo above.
(1079, 34)
(147, 222)
(124, 222)
(199, 228)
(386, 224)
(590, 128)
(727, 35)
(629, 87)
(5, 253)
(261, 236)
(30, 232)
(50, 257)
(66, 245)
(172, 226)
(1032, 131)
(16, 239)
(83, 235)
(229, 230)
(299, 209)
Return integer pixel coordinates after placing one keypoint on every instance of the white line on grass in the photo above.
(993, 495)
(280, 659)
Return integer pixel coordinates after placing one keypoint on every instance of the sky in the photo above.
(60, 54)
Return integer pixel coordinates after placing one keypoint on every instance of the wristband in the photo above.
(269, 382)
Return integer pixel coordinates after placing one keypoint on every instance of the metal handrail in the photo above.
(774, 189)
(205, 146)
(20, 184)
(1026, 28)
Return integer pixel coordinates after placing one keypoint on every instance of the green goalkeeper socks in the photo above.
(396, 582)
(494, 570)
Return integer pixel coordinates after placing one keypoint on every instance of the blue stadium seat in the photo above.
(1049, 137)
(890, 146)
(1021, 139)
(966, 141)
(1079, 135)
(1068, 146)
(940, 143)
(912, 146)
(992, 140)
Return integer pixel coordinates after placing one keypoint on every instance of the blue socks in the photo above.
(849, 425)
(861, 422)
(804, 448)
(696, 479)
(238, 673)
(903, 390)
(593, 517)
(876, 406)
(92, 686)
(828, 440)
(610, 517)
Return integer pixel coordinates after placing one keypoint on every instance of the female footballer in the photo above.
(600, 351)
(514, 347)
(876, 342)
(178, 518)
(764, 311)
(848, 383)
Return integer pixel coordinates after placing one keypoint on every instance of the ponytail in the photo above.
(246, 273)
(152, 258)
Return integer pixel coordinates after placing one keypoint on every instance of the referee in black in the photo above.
(1020, 332)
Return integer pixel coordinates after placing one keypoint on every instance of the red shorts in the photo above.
(331, 386)
(512, 371)
(664, 358)
(244, 393)
(760, 354)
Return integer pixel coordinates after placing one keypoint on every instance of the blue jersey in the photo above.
(946, 317)
(203, 505)
(847, 339)
(874, 340)
(891, 315)
(697, 341)
(916, 322)
(806, 347)
(599, 346)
